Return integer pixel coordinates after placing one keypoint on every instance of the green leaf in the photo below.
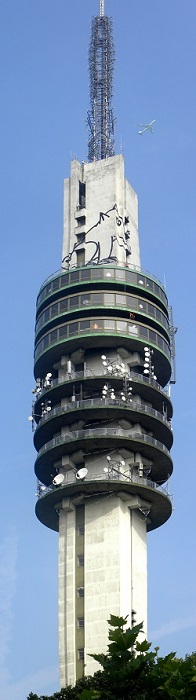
(143, 646)
(115, 621)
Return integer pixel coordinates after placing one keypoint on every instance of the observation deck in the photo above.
(87, 406)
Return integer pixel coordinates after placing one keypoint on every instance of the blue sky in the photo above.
(44, 99)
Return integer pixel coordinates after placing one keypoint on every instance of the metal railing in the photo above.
(101, 432)
(90, 373)
(101, 402)
(125, 478)
(127, 267)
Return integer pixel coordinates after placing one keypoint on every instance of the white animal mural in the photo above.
(94, 253)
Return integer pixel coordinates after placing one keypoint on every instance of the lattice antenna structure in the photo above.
(100, 117)
(101, 8)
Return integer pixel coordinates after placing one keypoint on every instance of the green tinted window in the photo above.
(53, 336)
(46, 315)
(63, 305)
(73, 327)
(55, 284)
(54, 310)
(73, 302)
(62, 331)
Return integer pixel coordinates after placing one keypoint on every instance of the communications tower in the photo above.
(104, 353)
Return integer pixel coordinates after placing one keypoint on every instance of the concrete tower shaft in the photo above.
(103, 418)
(100, 215)
(102, 412)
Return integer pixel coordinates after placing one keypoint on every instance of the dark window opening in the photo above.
(74, 301)
(62, 331)
(73, 328)
(80, 237)
(74, 276)
(46, 315)
(53, 336)
(46, 341)
(149, 283)
(80, 623)
(85, 325)
(79, 368)
(152, 336)
(80, 592)
(82, 194)
(80, 559)
(55, 284)
(63, 305)
(81, 220)
(80, 530)
(80, 654)
(54, 310)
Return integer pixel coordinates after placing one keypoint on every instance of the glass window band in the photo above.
(81, 301)
(93, 326)
(87, 273)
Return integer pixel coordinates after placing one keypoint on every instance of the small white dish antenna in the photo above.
(82, 473)
(58, 479)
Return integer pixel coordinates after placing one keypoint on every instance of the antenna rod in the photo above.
(100, 116)
(101, 8)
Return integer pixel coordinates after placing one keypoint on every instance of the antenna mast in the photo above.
(101, 8)
(100, 117)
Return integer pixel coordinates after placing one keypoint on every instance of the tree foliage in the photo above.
(131, 671)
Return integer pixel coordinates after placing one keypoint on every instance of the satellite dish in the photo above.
(81, 473)
(58, 479)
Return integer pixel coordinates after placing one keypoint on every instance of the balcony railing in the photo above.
(125, 478)
(102, 433)
(127, 266)
(90, 373)
(100, 402)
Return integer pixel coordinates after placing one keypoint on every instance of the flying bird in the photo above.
(147, 127)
